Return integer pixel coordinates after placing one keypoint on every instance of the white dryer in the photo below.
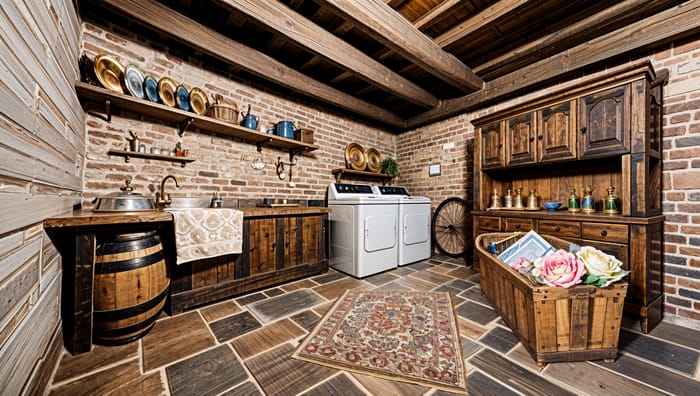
(414, 224)
(363, 229)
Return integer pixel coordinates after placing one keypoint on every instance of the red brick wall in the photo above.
(222, 163)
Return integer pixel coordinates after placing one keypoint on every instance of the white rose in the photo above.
(601, 265)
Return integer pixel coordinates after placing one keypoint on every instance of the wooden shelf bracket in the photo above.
(184, 125)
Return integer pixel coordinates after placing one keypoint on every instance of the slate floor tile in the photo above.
(381, 278)
(670, 355)
(208, 373)
(234, 326)
(273, 308)
(500, 339)
(476, 312)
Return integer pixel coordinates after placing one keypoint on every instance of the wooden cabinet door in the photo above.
(556, 132)
(290, 242)
(605, 122)
(262, 246)
(520, 139)
(311, 231)
(492, 148)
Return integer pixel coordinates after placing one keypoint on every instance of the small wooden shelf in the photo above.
(339, 172)
(185, 119)
(159, 157)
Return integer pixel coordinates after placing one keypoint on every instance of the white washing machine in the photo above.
(414, 224)
(363, 229)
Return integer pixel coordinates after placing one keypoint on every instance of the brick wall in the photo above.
(222, 163)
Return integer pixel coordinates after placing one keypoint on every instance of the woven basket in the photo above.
(224, 112)
(555, 324)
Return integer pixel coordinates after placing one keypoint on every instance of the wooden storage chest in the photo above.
(555, 324)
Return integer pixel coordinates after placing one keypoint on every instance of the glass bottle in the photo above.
(610, 203)
(587, 202)
(574, 202)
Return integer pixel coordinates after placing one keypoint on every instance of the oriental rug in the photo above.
(408, 336)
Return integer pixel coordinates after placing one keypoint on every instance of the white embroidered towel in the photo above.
(204, 233)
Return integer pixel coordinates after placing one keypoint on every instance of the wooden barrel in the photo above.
(130, 286)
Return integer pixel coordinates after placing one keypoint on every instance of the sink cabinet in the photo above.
(279, 245)
(600, 131)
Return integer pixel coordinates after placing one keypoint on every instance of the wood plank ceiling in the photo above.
(400, 64)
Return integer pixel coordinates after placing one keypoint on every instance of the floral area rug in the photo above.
(406, 336)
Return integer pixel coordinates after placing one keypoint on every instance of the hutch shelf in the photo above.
(185, 120)
(603, 131)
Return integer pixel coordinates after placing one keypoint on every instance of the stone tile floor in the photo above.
(242, 346)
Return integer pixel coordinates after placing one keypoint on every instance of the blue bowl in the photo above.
(551, 205)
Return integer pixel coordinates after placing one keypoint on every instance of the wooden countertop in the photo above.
(86, 217)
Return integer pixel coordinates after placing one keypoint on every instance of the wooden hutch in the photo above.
(601, 131)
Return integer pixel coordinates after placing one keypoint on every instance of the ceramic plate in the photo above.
(182, 97)
(355, 157)
(110, 73)
(198, 101)
(150, 87)
(374, 160)
(133, 78)
(166, 91)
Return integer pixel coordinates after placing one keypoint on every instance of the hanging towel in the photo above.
(204, 233)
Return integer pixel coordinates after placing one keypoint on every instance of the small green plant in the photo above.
(390, 166)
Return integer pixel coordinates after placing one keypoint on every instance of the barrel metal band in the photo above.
(129, 312)
(128, 265)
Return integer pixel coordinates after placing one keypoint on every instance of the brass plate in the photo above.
(374, 160)
(355, 157)
(110, 73)
(166, 91)
(198, 101)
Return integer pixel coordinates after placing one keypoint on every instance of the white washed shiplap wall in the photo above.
(42, 145)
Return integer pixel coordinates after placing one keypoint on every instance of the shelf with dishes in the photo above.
(159, 157)
(184, 119)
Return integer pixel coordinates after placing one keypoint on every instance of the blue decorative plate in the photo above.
(150, 86)
(182, 97)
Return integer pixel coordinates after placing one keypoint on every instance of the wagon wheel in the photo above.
(452, 227)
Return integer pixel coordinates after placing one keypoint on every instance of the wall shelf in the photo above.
(159, 157)
(185, 119)
(340, 172)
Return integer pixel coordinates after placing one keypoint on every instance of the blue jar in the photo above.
(285, 129)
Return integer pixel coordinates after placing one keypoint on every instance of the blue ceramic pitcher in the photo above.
(249, 120)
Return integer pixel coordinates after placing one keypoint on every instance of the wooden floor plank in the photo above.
(234, 326)
(479, 384)
(265, 338)
(517, 377)
(379, 386)
(123, 379)
(666, 380)
(678, 334)
(273, 308)
(208, 373)
(175, 338)
(476, 312)
(221, 310)
(670, 355)
(340, 385)
(588, 378)
(102, 356)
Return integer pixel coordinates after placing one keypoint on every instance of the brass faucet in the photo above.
(163, 200)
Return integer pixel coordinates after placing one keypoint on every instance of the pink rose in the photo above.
(560, 268)
(520, 263)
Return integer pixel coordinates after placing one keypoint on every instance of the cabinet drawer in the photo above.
(516, 224)
(490, 223)
(559, 228)
(605, 232)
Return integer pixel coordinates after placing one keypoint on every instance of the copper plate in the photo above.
(355, 157)
(374, 160)
(110, 73)
(198, 101)
(166, 91)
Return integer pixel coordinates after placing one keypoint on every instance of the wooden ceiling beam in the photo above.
(588, 26)
(163, 18)
(390, 28)
(435, 13)
(482, 19)
(306, 33)
(668, 25)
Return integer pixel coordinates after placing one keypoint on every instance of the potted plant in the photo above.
(390, 166)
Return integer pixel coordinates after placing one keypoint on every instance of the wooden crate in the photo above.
(304, 135)
(555, 324)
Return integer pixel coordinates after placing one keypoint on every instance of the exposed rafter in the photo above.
(478, 21)
(160, 17)
(295, 27)
(435, 13)
(393, 30)
(665, 26)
